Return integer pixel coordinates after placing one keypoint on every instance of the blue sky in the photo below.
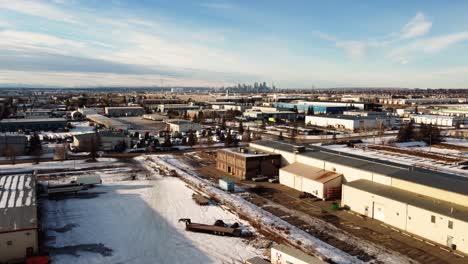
(295, 44)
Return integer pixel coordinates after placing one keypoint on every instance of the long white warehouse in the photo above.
(429, 204)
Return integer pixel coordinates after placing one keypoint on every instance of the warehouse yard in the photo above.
(313, 215)
(125, 221)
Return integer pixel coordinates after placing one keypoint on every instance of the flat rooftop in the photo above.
(298, 254)
(346, 117)
(18, 207)
(17, 191)
(311, 172)
(124, 107)
(32, 120)
(414, 199)
(435, 179)
(247, 152)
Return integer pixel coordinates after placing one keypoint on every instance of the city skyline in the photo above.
(217, 43)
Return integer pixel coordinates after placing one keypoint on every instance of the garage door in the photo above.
(379, 212)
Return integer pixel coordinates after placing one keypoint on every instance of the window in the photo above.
(433, 218)
(450, 224)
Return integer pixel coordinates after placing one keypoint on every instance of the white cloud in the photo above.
(80, 79)
(432, 45)
(436, 44)
(418, 26)
(355, 49)
(38, 9)
(22, 40)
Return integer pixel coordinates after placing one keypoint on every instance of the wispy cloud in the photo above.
(403, 54)
(38, 9)
(354, 49)
(31, 41)
(418, 26)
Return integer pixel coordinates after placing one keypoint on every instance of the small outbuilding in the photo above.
(226, 184)
(321, 183)
(284, 254)
(256, 260)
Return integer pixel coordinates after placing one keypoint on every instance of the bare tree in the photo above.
(35, 147)
(60, 152)
(10, 153)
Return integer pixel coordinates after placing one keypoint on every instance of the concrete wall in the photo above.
(13, 245)
(407, 217)
(12, 144)
(419, 222)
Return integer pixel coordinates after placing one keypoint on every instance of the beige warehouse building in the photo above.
(429, 204)
(319, 182)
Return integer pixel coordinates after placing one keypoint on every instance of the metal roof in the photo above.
(414, 199)
(345, 117)
(18, 208)
(311, 172)
(256, 260)
(298, 254)
(17, 191)
(32, 120)
(435, 179)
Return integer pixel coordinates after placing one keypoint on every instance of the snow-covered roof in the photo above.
(18, 208)
(17, 191)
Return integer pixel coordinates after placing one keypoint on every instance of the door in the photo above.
(379, 212)
(450, 242)
(366, 211)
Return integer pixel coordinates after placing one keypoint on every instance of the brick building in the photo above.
(248, 163)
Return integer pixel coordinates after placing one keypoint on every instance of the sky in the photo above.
(293, 44)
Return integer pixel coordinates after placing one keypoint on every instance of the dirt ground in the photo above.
(275, 197)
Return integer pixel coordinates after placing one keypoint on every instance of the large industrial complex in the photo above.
(427, 203)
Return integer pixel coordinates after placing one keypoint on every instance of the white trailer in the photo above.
(86, 179)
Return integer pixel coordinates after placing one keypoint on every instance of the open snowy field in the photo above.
(137, 222)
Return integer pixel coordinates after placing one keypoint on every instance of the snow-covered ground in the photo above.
(457, 141)
(138, 221)
(68, 164)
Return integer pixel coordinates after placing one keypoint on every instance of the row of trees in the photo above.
(427, 133)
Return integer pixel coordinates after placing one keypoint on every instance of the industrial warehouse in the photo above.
(429, 204)
(18, 224)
